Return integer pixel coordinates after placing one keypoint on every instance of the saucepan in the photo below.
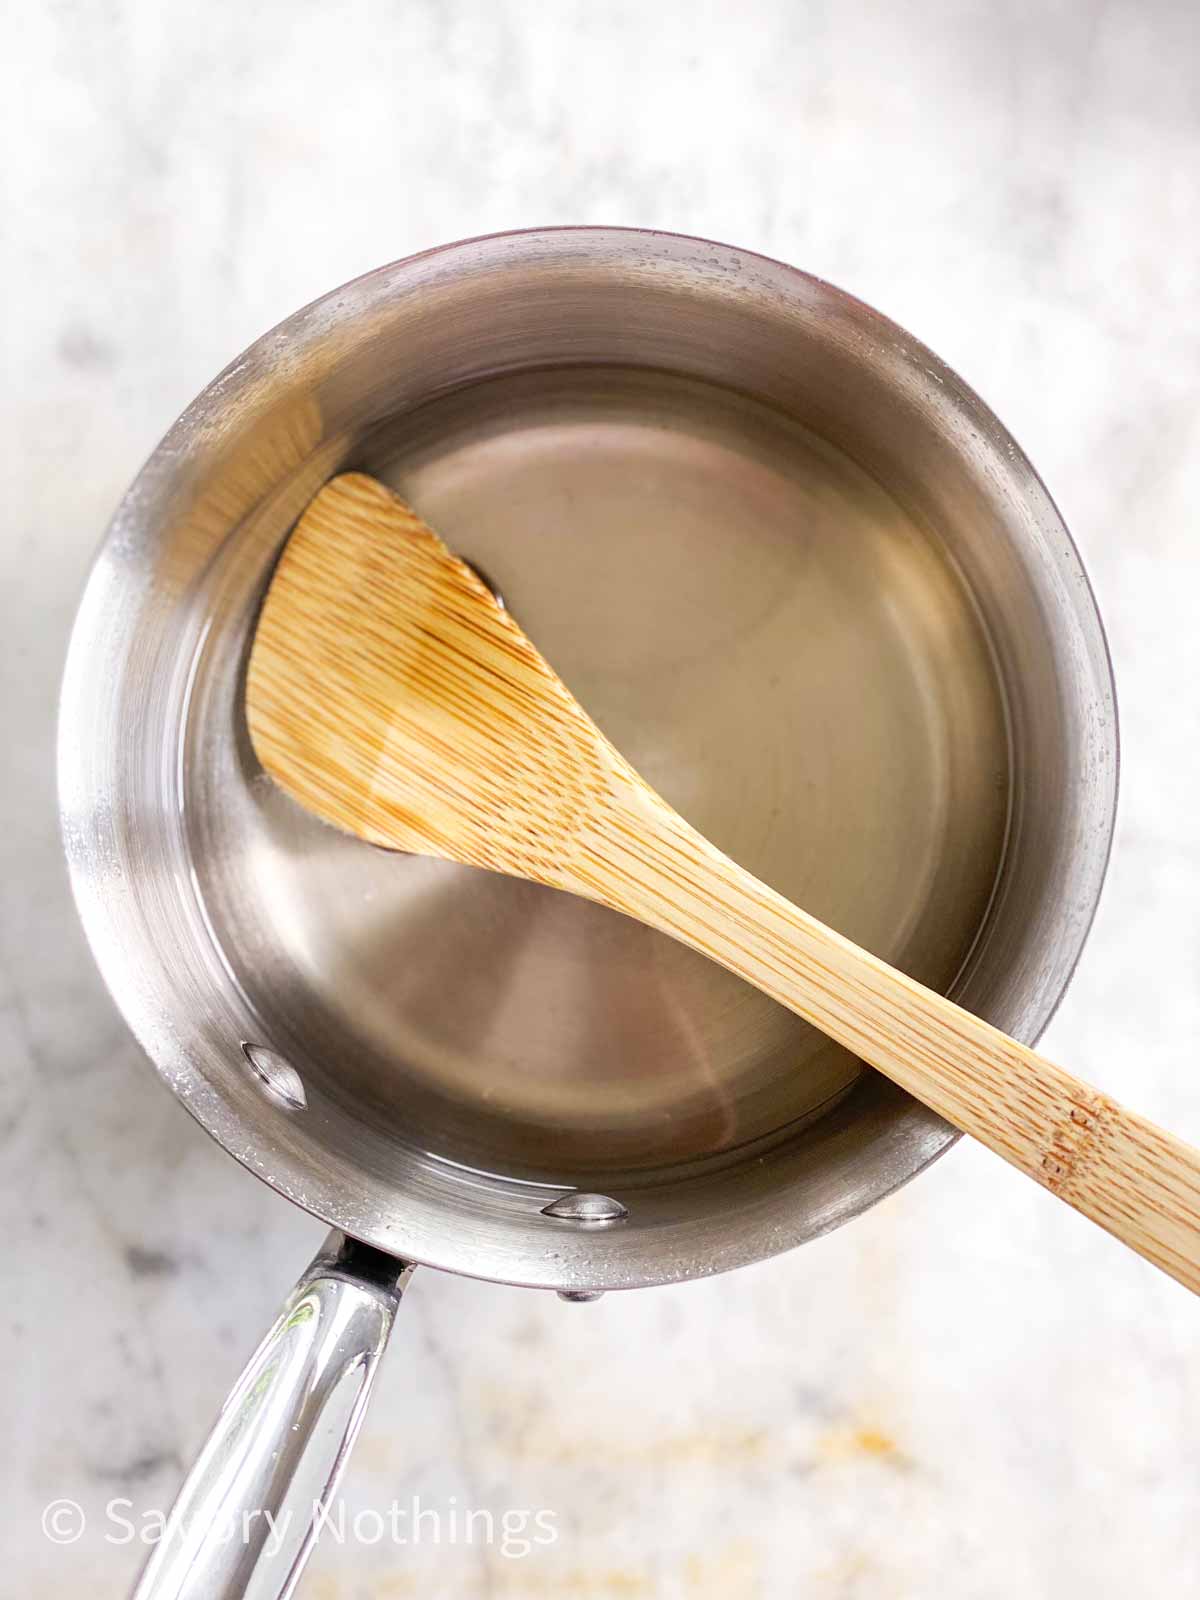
(806, 582)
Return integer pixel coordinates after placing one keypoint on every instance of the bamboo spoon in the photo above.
(389, 693)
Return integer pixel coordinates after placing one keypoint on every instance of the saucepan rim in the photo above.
(584, 1261)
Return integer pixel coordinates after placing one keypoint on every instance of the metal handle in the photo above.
(249, 1511)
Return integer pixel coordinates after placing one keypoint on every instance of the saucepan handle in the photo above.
(246, 1518)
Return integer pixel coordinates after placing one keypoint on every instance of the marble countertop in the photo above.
(970, 1390)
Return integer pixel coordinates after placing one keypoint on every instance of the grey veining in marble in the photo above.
(969, 1391)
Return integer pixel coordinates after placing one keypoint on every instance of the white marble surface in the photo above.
(969, 1391)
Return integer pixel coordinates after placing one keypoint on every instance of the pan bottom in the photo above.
(780, 649)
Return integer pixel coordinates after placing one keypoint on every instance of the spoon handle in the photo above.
(1116, 1167)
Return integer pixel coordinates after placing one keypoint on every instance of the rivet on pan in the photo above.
(277, 1076)
(581, 1297)
(586, 1209)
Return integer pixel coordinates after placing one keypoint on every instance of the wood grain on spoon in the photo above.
(390, 694)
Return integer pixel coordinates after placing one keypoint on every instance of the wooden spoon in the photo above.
(391, 694)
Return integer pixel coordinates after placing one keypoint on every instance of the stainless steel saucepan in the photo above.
(806, 582)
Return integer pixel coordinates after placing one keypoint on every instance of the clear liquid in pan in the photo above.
(776, 646)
